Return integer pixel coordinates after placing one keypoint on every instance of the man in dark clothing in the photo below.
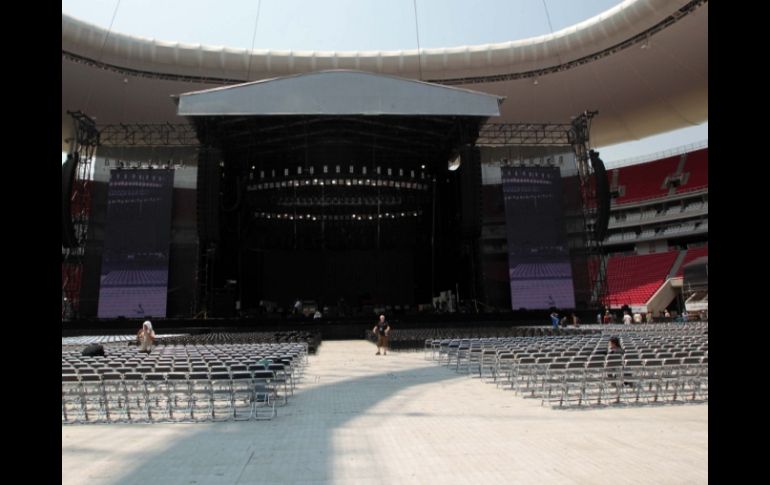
(381, 329)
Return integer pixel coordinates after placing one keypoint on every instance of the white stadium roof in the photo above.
(642, 64)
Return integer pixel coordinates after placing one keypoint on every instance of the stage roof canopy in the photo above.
(339, 92)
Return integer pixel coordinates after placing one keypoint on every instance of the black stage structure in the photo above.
(335, 187)
(355, 191)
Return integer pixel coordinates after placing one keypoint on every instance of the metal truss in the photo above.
(148, 135)
(525, 134)
(183, 134)
(82, 151)
(579, 137)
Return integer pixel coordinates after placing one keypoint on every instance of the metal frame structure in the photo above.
(82, 151)
(578, 136)
(183, 134)
(148, 134)
(527, 134)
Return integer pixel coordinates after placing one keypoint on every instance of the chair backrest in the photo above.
(154, 377)
(263, 375)
(176, 376)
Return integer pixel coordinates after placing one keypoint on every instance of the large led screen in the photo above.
(134, 275)
(538, 257)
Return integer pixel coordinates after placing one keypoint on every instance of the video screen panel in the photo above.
(134, 274)
(539, 267)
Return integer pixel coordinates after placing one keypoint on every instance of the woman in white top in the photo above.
(626, 319)
(145, 337)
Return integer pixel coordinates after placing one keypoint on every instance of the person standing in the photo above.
(382, 329)
(554, 319)
(575, 320)
(607, 317)
(626, 319)
(297, 307)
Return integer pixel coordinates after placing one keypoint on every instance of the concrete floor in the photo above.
(358, 418)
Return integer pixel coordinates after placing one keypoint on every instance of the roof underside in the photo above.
(643, 65)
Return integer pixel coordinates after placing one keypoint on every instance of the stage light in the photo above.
(454, 164)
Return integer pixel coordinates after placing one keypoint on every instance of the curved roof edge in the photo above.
(603, 31)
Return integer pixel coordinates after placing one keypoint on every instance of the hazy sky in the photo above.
(359, 25)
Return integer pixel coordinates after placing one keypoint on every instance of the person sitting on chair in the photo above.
(145, 337)
(614, 347)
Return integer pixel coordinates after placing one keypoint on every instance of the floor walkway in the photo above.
(358, 418)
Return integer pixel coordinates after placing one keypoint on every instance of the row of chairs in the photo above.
(631, 381)
(539, 369)
(172, 397)
(187, 384)
(284, 373)
(192, 351)
(493, 363)
(467, 352)
(413, 339)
